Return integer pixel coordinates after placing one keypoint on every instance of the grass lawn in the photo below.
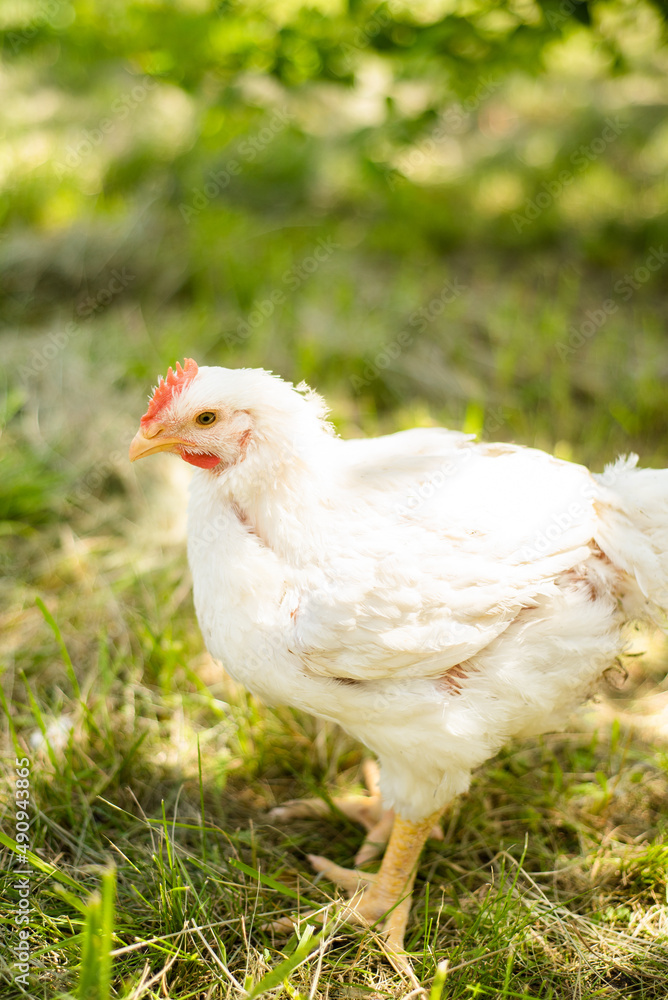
(155, 867)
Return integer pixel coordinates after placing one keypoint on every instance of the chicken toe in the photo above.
(382, 900)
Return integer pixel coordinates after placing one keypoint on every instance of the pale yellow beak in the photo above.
(150, 440)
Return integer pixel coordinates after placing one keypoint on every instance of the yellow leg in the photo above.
(391, 888)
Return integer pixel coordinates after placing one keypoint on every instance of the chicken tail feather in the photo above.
(633, 530)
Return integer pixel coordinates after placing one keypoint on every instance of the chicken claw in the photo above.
(349, 879)
(383, 899)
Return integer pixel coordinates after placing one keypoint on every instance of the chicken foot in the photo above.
(384, 898)
(367, 810)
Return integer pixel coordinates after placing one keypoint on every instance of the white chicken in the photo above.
(431, 595)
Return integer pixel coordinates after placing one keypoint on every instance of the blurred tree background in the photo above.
(436, 209)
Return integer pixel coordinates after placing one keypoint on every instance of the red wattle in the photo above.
(201, 461)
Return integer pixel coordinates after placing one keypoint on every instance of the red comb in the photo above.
(170, 386)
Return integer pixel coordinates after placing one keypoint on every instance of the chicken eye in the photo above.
(206, 418)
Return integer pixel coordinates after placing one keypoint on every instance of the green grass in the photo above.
(544, 879)
(156, 868)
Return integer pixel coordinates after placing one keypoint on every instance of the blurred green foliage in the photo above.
(405, 203)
